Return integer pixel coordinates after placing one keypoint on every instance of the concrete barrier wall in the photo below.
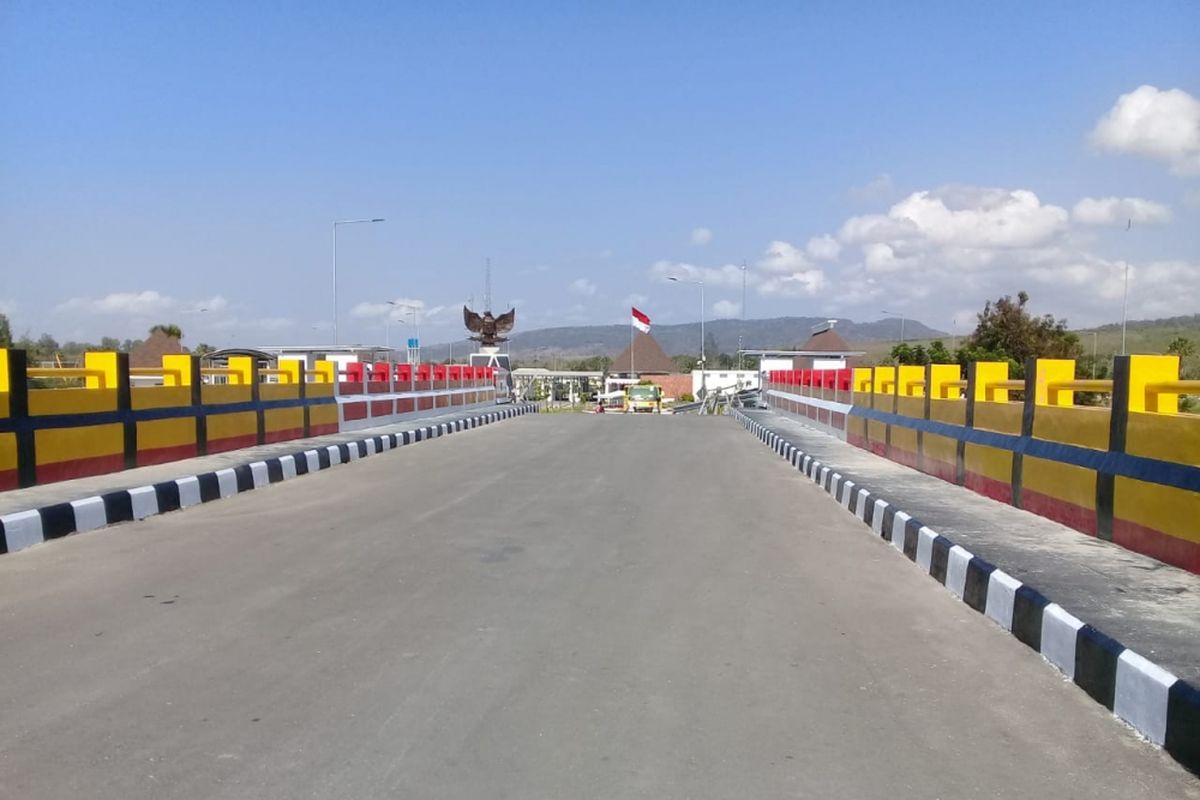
(107, 422)
(1128, 473)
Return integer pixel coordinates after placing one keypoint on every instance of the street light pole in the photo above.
(1125, 307)
(335, 280)
(742, 324)
(901, 316)
(703, 353)
(1125, 297)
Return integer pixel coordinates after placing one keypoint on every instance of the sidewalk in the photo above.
(1151, 608)
(49, 494)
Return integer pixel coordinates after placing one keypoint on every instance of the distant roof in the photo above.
(150, 352)
(324, 348)
(648, 358)
(791, 353)
(827, 341)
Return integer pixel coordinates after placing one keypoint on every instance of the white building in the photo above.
(724, 379)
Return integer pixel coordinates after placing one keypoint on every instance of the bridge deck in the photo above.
(1145, 604)
(66, 491)
(560, 606)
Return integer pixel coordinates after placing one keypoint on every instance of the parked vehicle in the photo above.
(643, 399)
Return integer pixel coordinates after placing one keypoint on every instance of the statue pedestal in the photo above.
(490, 356)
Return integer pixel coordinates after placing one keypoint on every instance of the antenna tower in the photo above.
(487, 285)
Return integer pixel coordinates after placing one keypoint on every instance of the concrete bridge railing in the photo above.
(105, 417)
(1128, 473)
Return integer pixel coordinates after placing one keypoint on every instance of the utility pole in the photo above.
(487, 285)
(742, 327)
(1125, 297)
(336, 223)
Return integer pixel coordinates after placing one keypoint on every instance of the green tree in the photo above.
(6, 339)
(170, 329)
(589, 364)
(1185, 348)
(45, 347)
(1182, 346)
(1087, 367)
(685, 363)
(1006, 331)
(110, 344)
(203, 349)
(938, 354)
(909, 354)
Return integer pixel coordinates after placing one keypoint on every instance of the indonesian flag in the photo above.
(640, 321)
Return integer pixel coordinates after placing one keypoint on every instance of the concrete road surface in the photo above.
(560, 606)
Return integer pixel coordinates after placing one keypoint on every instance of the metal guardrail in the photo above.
(66, 372)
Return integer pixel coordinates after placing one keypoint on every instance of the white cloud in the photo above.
(783, 258)
(823, 248)
(954, 247)
(401, 308)
(728, 275)
(1161, 124)
(797, 284)
(787, 272)
(939, 251)
(1164, 288)
(726, 309)
(878, 189)
(634, 299)
(881, 257)
(783, 270)
(371, 310)
(582, 287)
(132, 304)
(701, 236)
(1117, 210)
(962, 217)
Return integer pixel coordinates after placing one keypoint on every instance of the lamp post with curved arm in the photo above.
(703, 358)
(335, 280)
(901, 316)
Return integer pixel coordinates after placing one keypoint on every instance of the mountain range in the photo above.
(722, 336)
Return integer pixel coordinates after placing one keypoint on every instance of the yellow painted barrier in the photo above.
(110, 423)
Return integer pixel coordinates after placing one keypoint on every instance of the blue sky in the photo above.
(156, 159)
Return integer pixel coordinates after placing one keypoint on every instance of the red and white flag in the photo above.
(640, 321)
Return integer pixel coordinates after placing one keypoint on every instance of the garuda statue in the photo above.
(487, 329)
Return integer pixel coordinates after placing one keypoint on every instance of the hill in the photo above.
(1144, 336)
(722, 335)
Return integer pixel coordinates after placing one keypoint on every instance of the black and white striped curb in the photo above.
(26, 528)
(1160, 706)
